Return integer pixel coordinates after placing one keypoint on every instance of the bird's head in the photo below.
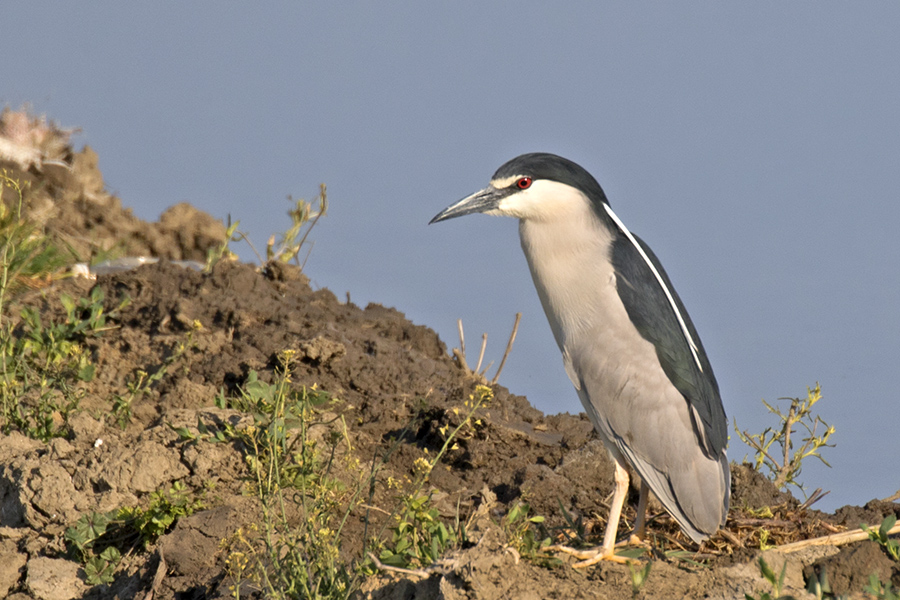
(536, 186)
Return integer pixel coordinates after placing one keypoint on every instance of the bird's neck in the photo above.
(571, 268)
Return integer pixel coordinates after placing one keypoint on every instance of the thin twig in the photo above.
(375, 508)
(762, 522)
(481, 354)
(383, 567)
(240, 236)
(838, 539)
(461, 355)
(486, 369)
(735, 540)
(759, 447)
(323, 208)
(813, 498)
(509, 345)
(782, 476)
(442, 566)
(158, 578)
(893, 497)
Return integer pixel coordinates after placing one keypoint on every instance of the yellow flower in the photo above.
(422, 466)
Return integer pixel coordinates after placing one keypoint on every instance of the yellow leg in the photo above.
(608, 550)
(640, 524)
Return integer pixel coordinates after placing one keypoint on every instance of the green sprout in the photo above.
(777, 582)
(785, 464)
(892, 547)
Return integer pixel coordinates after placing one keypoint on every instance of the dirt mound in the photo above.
(65, 194)
(201, 335)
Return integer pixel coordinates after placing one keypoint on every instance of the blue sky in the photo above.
(755, 147)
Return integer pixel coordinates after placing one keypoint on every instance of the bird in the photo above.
(627, 343)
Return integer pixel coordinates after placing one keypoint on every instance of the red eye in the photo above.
(524, 183)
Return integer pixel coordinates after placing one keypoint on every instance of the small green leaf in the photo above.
(887, 525)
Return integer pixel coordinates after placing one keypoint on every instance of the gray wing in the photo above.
(690, 372)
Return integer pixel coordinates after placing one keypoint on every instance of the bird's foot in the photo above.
(634, 540)
(591, 556)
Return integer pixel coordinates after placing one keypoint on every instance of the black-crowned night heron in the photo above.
(627, 342)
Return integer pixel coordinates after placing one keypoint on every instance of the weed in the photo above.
(290, 557)
(528, 536)
(43, 366)
(418, 536)
(820, 588)
(892, 547)
(638, 577)
(304, 216)
(26, 255)
(142, 382)
(303, 219)
(882, 591)
(785, 469)
(777, 582)
(98, 539)
(40, 369)
(164, 509)
(223, 250)
(575, 530)
(290, 459)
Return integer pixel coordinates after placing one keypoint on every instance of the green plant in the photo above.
(777, 582)
(528, 536)
(882, 591)
(142, 382)
(290, 451)
(784, 466)
(891, 546)
(223, 250)
(638, 577)
(304, 217)
(98, 539)
(819, 587)
(43, 366)
(26, 254)
(164, 509)
(290, 557)
(418, 536)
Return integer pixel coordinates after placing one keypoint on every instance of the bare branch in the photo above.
(893, 497)
(838, 539)
(509, 345)
(461, 354)
(481, 354)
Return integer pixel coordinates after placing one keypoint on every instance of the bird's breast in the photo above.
(604, 354)
(571, 266)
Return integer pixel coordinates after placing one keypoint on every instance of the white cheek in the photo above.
(544, 200)
(522, 205)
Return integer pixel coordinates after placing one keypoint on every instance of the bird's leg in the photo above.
(640, 523)
(608, 550)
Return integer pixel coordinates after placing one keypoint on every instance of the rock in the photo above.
(53, 493)
(16, 444)
(35, 493)
(322, 351)
(54, 579)
(145, 469)
(11, 565)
